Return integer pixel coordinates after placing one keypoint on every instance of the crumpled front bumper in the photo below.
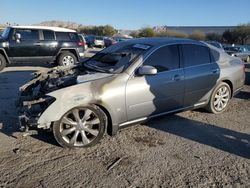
(30, 110)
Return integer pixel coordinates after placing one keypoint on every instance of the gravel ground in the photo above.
(189, 149)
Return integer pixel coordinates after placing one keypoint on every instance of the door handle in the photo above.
(176, 77)
(37, 44)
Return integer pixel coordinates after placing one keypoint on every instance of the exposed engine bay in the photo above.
(32, 97)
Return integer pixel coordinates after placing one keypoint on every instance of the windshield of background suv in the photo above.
(235, 49)
(5, 33)
(116, 58)
(99, 38)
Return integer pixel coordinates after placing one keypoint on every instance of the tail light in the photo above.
(81, 43)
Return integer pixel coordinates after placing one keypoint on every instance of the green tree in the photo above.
(242, 32)
(197, 35)
(135, 34)
(238, 35)
(146, 32)
(171, 33)
(213, 37)
(229, 37)
(106, 30)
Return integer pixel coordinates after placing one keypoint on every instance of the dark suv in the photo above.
(40, 44)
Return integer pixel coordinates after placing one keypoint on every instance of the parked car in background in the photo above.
(127, 83)
(83, 41)
(216, 44)
(120, 39)
(95, 41)
(109, 41)
(247, 46)
(238, 51)
(40, 44)
(99, 41)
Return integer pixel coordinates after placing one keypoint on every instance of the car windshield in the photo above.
(99, 38)
(5, 33)
(248, 48)
(116, 58)
(235, 49)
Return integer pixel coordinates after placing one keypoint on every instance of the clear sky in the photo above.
(128, 14)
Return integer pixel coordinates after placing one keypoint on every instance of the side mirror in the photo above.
(147, 70)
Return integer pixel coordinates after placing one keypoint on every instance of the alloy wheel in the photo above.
(68, 60)
(221, 98)
(79, 127)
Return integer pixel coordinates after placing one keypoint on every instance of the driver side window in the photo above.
(165, 58)
(27, 34)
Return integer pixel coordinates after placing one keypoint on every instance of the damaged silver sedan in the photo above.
(127, 83)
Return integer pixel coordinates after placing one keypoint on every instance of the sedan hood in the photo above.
(91, 77)
(57, 78)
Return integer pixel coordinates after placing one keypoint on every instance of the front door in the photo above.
(154, 94)
(25, 49)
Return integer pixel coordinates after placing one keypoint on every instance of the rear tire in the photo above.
(80, 127)
(219, 99)
(66, 59)
(2, 62)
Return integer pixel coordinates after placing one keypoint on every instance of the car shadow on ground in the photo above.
(45, 65)
(243, 95)
(220, 138)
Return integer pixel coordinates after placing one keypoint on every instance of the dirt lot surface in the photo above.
(189, 149)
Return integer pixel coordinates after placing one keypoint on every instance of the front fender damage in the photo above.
(33, 97)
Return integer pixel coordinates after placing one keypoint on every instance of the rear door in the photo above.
(201, 73)
(27, 48)
(48, 45)
(154, 94)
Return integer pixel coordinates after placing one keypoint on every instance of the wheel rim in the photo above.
(0, 62)
(68, 60)
(221, 98)
(79, 127)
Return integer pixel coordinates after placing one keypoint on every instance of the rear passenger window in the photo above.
(73, 36)
(195, 55)
(67, 36)
(164, 59)
(48, 35)
(62, 36)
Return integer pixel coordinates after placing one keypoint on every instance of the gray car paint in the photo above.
(128, 98)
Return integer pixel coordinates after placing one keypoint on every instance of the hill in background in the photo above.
(55, 23)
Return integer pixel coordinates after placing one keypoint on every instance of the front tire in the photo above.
(66, 59)
(219, 99)
(2, 62)
(83, 126)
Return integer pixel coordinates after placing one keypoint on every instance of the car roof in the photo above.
(211, 41)
(57, 29)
